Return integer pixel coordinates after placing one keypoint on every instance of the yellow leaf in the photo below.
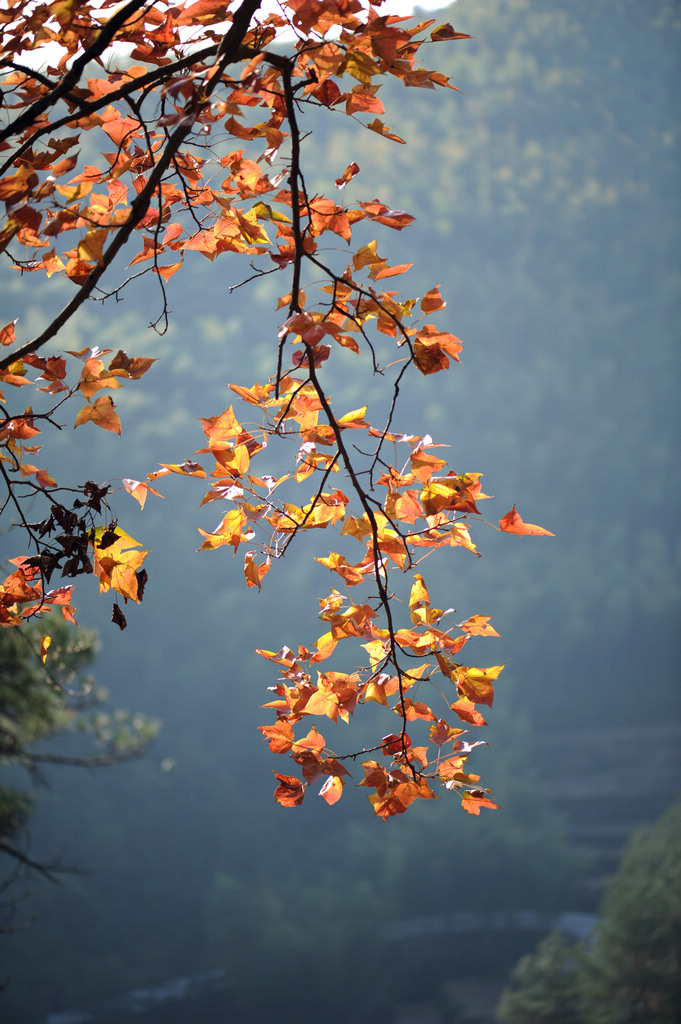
(419, 600)
(90, 247)
(116, 563)
(228, 532)
(354, 419)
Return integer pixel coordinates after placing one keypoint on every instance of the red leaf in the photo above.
(290, 791)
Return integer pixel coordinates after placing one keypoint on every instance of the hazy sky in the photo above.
(406, 6)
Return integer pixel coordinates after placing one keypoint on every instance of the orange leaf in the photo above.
(290, 791)
(126, 366)
(279, 736)
(326, 216)
(257, 395)
(186, 468)
(478, 625)
(332, 790)
(348, 174)
(442, 731)
(101, 413)
(432, 301)
(139, 490)
(433, 349)
(167, 271)
(375, 690)
(512, 523)
(414, 710)
(386, 806)
(7, 333)
(467, 712)
(392, 271)
(253, 572)
(473, 801)
(455, 492)
(220, 430)
(476, 683)
(228, 532)
(377, 211)
(384, 130)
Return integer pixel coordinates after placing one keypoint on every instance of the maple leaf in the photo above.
(432, 301)
(418, 599)
(102, 413)
(455, 492)
(478, 625)
(290, 792)
(441, 732)
(348, 174)
(446, 31)
(279, 736)
(380, 213)
(253, 572)
(117, 563)
(467, 711)
(512, 523)
(229, 531)
(163, 171)
(473, 801)
(7, 333)
(387, 805)
(118, 617)
(385, 131)
(332, 790)
(413, 710)
(354, 419)
(374, 690)
(433, 349)
(139, 490)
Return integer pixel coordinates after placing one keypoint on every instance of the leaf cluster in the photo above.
(201, 150)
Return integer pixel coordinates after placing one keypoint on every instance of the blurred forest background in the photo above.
(548, 204)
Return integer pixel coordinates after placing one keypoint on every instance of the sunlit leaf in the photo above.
(512, 523)
(102, 413)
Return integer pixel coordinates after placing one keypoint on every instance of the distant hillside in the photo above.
(547, 204)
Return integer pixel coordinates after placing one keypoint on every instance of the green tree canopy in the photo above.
(629, 971)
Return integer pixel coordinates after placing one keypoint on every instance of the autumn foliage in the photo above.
(195, 110)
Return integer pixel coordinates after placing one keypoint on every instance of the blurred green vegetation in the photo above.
(628, 971)
(38, 702)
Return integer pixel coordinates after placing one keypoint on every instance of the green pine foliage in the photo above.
(629, 971)
(543, 986)
(631, 974)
